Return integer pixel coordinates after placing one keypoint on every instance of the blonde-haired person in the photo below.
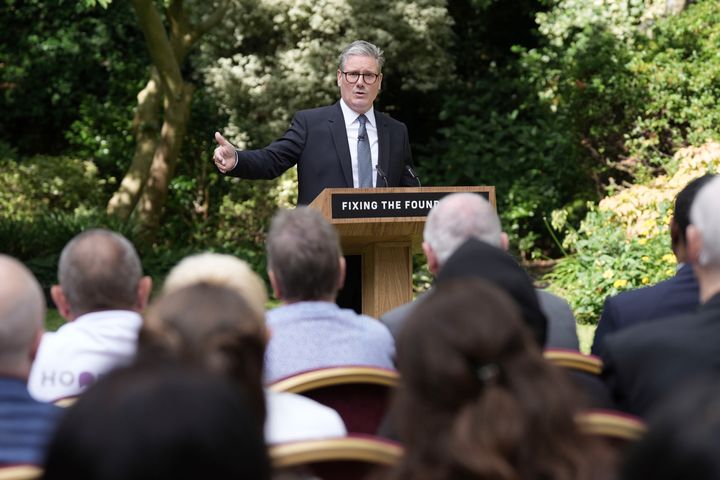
(219, 269)
(211, 313)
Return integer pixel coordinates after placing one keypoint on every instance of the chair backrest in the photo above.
(574, 360)
(359, 394)
(348, 458)
(66, 402)
(617, 429)
(20, 472)
(584, 371)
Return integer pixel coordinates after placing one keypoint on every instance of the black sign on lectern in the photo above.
(379, 205)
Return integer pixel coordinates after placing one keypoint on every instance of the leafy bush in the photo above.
(624, 242)
(678, 66)
(40, 184)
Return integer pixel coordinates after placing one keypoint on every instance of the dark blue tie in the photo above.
(363, 155)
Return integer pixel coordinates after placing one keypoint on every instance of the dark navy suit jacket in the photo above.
(317, 143)
(645, 363)
(26, 425)
(674, 296)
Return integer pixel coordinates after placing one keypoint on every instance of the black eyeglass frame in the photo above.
(364, 76)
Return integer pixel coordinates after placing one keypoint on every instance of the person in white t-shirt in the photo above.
(101, 293)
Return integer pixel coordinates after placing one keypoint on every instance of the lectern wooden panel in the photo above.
(384, 226)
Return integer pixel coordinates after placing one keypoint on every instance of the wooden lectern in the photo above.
(384, 226)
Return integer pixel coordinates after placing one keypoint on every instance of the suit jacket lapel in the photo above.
(336, 123)
(383, 147)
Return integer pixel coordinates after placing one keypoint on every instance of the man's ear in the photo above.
(339, 77)
(693, 246)
(61, 302)
(277, 292)
(144, 289)
(432, 260)
(341, 272)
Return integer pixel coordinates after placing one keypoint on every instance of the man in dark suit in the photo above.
(674, 296)
(645, 363)
(347, 144)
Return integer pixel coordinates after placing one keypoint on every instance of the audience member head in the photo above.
(490, 405)
(99, 270)
(681, 215)
(453, 220)
(145, 422)
(682, 437)
(219, 269)
(703, 238)
(22, 312)
(210, 327)
(476, 258)
(305, 260)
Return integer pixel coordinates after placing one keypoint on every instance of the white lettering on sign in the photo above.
(420, 204)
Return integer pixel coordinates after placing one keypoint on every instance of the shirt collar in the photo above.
(350, 115)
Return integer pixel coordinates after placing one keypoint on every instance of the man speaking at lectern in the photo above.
(347, 144)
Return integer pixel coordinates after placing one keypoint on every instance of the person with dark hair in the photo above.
(306, 269)
(647, 362)
(673, 296)
(149, 422)
(25, 423)
(101, 292)
(475, 258)
(476, 399)
(682, 437)
(217, 329)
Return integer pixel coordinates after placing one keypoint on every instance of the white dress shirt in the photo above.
(352, 126)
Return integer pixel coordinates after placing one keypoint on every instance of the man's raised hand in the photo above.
(224, 155)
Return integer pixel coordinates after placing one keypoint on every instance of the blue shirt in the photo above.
(309, 335)
(26, 425)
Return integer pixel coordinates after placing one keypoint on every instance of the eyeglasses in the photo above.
(353, 77)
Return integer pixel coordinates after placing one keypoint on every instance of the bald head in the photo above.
(22, 310)
(458, 217)
(100, 270)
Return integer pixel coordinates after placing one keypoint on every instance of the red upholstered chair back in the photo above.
(359, 394)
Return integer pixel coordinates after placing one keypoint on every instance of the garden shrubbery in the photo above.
(624, 241)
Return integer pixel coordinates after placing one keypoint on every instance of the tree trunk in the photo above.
(167, 52)
(146, 126)
(150, 208)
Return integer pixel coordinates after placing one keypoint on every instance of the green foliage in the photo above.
(624, 241)
(68, 82)
(679, 67)
(45, 184)
(605, 262)
(283, 58)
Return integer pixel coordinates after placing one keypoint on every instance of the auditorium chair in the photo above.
(584, 371)
(359, 394)
(354, 457)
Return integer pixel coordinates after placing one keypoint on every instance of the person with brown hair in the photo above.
(477, 400)
(216, 328)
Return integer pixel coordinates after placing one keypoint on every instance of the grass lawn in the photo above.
(53, 320)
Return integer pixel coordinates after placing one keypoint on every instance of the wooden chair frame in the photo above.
(612, 424)
(353, 448)
(325, 377)
(20, 472)
(574, 360)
